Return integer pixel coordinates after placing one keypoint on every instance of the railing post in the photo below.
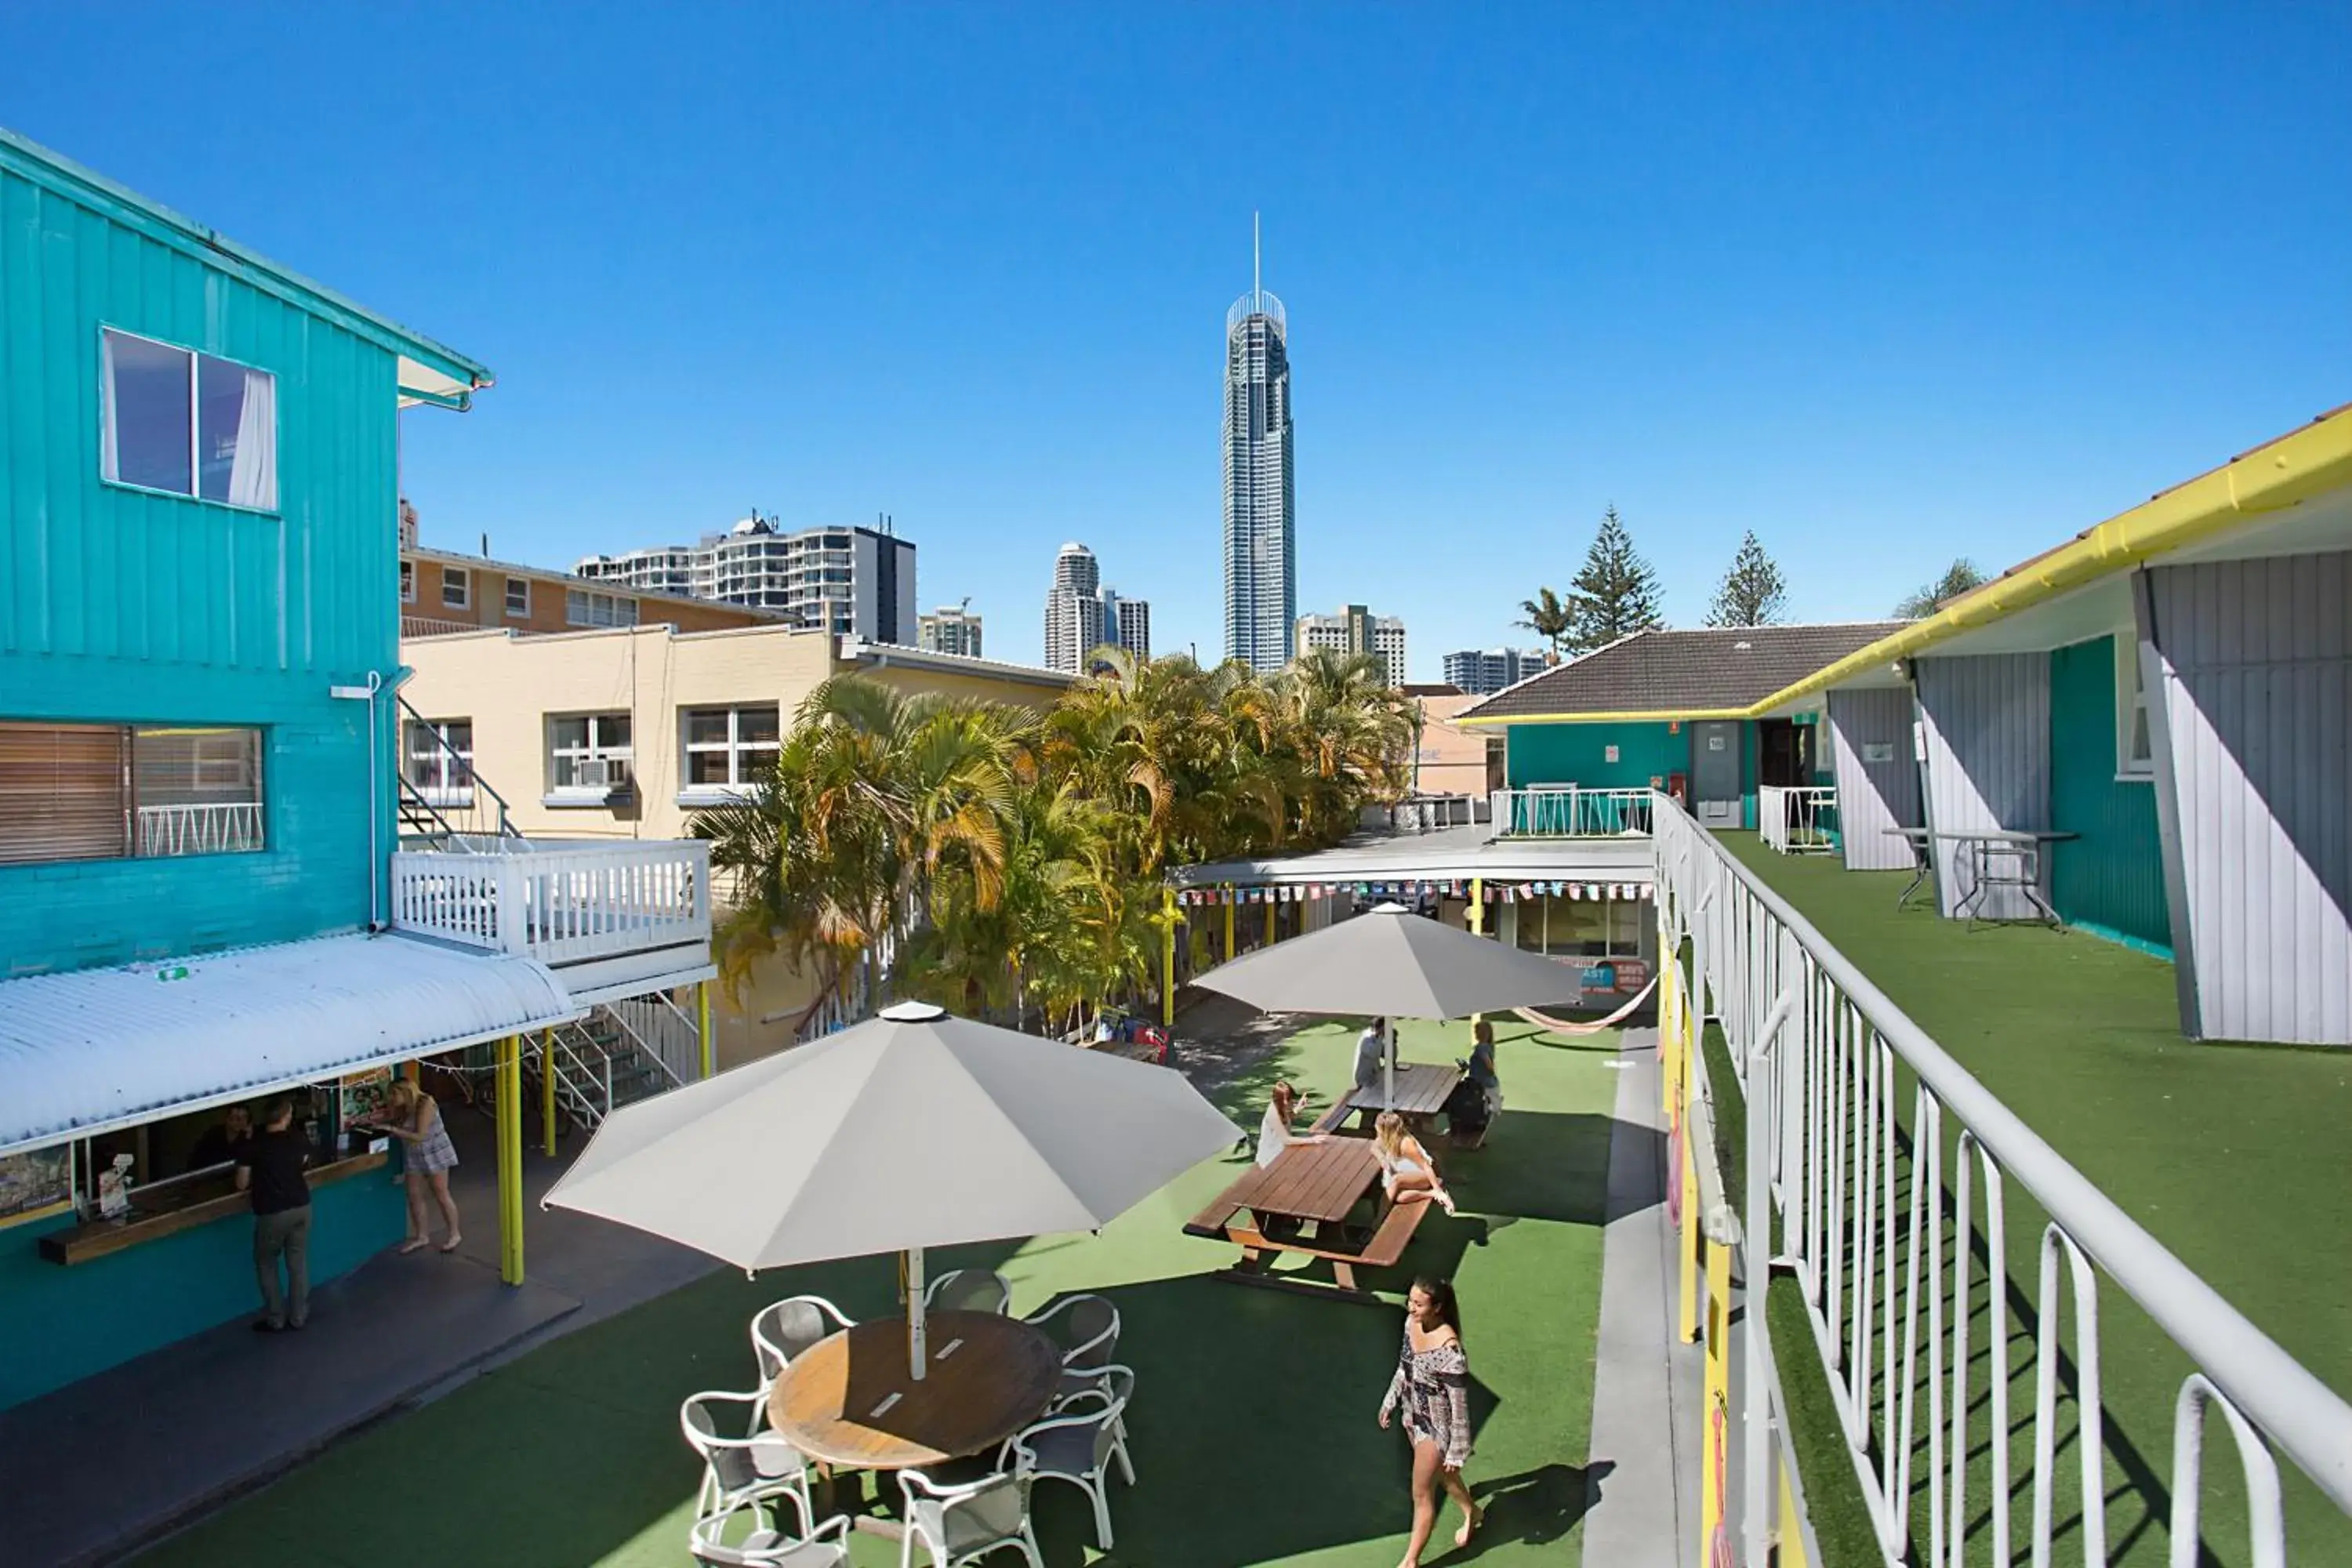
(1756, 1245)
(547, 1090)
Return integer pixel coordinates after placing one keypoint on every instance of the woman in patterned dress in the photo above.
(1433, 1385)
(427, 1157)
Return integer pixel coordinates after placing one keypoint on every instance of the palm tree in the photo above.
(1548, 618)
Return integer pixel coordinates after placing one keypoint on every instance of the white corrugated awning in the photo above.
(101, 1048)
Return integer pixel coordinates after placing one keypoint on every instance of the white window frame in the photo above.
(737, 752)
(195, 357)
(524, 583)
(443, 789)
(408, 581)
(2131, 704)
(463, 580)
(595, 609)
(596, 749)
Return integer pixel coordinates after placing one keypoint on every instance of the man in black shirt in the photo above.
(269, 1167)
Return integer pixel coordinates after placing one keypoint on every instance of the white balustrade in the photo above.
(216, 828)
(1900, 1285)
(1797, 819)
(558, 901)
(1568, 812)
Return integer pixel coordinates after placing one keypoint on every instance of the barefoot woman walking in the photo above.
(1433, 1382)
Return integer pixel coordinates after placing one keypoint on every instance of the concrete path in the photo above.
(1644, 1451)
(102, 1467)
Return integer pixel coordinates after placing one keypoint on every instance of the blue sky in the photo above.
(1884, 285)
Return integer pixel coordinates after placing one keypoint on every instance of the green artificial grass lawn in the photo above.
(2230, 1154)
(1252, 1428)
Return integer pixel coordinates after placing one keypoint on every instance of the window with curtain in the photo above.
(187, 423)
(440, 761)
(103, 792)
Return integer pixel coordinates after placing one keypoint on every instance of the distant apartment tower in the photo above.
(1073, 622)
(1356, 629)
(1261, 512)
(1482, 671)
(858, 581)
(1127, 622)
(950, 628)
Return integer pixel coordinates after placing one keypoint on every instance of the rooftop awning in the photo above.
(100, 1048)
(1452, 854)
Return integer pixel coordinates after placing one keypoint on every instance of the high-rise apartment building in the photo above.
(1480, 671)
(1081, 615)
(1261, 542)
(858, 581)
(950, 628)
(1356, 629)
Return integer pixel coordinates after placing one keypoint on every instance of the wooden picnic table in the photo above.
(849, 1401)
(1422, 1091)
(1301, 1204)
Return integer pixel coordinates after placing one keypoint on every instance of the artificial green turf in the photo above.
(1252, 1428)
(2230, 1154)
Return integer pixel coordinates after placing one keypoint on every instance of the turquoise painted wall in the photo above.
(1578, 753)
(2112, 875)
(63, 1324)
(122, 607)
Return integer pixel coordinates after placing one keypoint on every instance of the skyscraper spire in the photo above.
(1260, 548)
(1257, 286)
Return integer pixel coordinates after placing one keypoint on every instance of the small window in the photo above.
(188, 423)
(105, 792)
(726, 747)
(584, 608)
(408, 581)
(589, 754)
(439, 761)
(457, 588)
(2134, 746)
(518, 596)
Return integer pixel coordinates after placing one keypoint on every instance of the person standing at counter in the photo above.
(223, 1141)
(410, 1115)
(269, 1167)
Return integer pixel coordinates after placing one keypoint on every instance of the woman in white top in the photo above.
(1274, 1134)
(1408, 1173)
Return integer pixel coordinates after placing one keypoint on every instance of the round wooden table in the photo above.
(848, 1401)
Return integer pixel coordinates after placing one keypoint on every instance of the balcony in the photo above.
(629, 915)
(1564, 811)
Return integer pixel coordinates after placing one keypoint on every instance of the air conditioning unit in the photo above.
(607, 773)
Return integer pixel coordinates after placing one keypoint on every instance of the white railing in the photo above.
(1796, 819)
(557, 902)
(664, 1031)
(1887, 1257)
(215, 828)
(1568, 812)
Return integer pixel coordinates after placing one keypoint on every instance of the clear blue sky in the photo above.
(1885, 285)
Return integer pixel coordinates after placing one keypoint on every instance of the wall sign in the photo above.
(1715, 742)
(1878, 751)
(1610, 755)
(36, 1183)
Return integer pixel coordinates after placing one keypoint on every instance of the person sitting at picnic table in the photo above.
(1371, 1050)
(1274, 1134)
(1479, 1095)
(1408, 1174)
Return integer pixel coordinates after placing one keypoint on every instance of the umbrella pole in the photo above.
(1387, 1086)
(917, 1350)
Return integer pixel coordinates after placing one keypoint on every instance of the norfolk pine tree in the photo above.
(1752, 593)
(1616, 593)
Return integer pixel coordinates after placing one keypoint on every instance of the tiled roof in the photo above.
(1676, 672)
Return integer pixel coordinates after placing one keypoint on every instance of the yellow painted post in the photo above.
(1714, 1433)
(547, 1090)
(702, 1026)
(1272, 936)
(1168, 959)
(1478, 905)
(510, 1131)
(1788, 1537)
(1229, 925)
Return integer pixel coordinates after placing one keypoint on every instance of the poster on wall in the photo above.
(362, 1094)
(36, 1183)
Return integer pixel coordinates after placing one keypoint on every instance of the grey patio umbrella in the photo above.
(1392, 963)
(915, 1128)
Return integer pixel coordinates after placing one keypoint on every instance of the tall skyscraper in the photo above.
(950, 628)
(1074, 607)
(1356, 629)
(1261, 511)
(1127, 622)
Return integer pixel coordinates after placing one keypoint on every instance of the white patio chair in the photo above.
(1078, 1446)
(1110, 1381)
(784, 1331)
(1086, 1327)
(739, 1470)
(959, 1524)
(970, 1290)
(761, 1545)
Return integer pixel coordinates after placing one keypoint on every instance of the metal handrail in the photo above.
(504, 826)
(2245, 1369)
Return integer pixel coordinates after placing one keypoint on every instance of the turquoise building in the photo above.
(198, 648)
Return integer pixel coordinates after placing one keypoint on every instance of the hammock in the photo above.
(1568, 1026)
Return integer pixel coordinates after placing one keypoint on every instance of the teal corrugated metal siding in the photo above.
(2112, 874)
(1578, 754)
(117, 605)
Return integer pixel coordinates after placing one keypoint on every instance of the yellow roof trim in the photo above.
(2272, 478)
(1651, 716)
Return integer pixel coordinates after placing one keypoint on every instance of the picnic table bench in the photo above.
(1422, 1091)
(1301, 1204)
